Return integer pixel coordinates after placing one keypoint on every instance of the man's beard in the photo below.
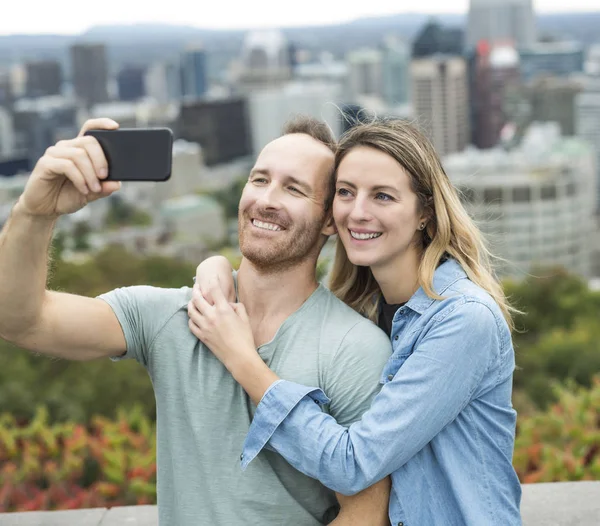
(297, 243)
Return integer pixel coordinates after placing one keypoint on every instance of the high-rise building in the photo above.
(90, 73)
(6, 91)
(587, 127)
(434, 39)
(131, 83)
(544, 99)
(440, 100)
(395, 68)
(266, 61)
(501, 21)
(220, 127)
(534, 204)
(552, 58)
(7, 134)
(194, 82)
(270, 109)
(43, 78)
(40, 123)
(163, 82)
(493, 69)
(365, 72)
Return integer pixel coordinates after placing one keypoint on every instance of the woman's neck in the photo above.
(399, 279)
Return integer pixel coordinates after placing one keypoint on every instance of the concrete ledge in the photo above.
(552, 504)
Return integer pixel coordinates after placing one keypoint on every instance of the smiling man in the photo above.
(304, 333)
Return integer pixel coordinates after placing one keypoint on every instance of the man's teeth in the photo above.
(356, 235)
(266, 226)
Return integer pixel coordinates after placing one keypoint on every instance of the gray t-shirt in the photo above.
(203, 415)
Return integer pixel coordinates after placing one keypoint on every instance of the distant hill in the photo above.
(145, 43)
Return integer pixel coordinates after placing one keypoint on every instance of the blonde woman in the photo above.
(411, 259)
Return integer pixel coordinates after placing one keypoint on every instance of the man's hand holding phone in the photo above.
(69, 175)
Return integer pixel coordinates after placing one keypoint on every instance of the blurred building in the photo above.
(6, 92)
(163, 82)
(266, 61)
(40, 123)
(544, 99)
(220, 126)
(551, 58)
(493, 69)
(535, 204)
(195, 223)
(587, 127)
(7, 134)
(194, 80)
(434, 39)
(131, 83)
(365, 68)
(395, 69)
(89, 69)
(440, 100)
(44, 78)
(501, 21)
(270, 109)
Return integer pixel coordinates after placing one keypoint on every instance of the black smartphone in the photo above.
(136, 154)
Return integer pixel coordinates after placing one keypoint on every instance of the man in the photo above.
(305, 333)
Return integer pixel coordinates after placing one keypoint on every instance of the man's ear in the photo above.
(329, 229)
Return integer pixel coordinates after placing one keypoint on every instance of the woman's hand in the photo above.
(225, 329)
(215, 268)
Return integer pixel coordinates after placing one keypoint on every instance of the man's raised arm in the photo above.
(64, 180)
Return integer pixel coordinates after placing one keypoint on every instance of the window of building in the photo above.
(492, 195)
(522, 194)
(548, 193)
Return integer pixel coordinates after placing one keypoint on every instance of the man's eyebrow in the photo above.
(259, 171)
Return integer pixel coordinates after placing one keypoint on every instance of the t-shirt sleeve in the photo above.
(353, 378)
(142, 312)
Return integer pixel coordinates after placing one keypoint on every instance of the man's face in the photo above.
(282, 210)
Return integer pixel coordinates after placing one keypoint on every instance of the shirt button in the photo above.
(390, 377)
(400, 524)
(242, 456)
(396, 337)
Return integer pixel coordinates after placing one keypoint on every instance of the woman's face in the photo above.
(375, 211)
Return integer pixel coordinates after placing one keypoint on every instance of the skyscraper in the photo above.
(510, 21)
(440, 99)
(90, 73)
(43, 78)
(193, 73)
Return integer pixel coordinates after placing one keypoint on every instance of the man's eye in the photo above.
(295, 190)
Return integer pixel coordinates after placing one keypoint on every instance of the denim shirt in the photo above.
(442, 425)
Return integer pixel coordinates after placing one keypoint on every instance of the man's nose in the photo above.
(270, 197)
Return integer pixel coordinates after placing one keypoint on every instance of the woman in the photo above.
(411, 259)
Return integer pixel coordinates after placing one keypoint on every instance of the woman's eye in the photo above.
(343, 192)
(383, 197)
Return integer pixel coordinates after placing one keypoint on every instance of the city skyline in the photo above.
(67, 16)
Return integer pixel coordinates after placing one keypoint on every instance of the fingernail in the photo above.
(97, 187)
(103, 172)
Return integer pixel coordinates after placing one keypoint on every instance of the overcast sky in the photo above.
(75, 16)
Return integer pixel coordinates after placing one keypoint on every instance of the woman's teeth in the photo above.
(356, 235)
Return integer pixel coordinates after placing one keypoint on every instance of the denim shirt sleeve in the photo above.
(428, 392)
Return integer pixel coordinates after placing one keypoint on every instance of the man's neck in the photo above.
(271, 296)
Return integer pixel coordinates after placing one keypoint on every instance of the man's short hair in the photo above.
(321, 132)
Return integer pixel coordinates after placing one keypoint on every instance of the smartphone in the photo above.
(136, 154)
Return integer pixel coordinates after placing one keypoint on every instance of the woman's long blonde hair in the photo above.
(449, 230)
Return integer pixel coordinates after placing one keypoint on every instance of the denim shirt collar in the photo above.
(448, 273)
